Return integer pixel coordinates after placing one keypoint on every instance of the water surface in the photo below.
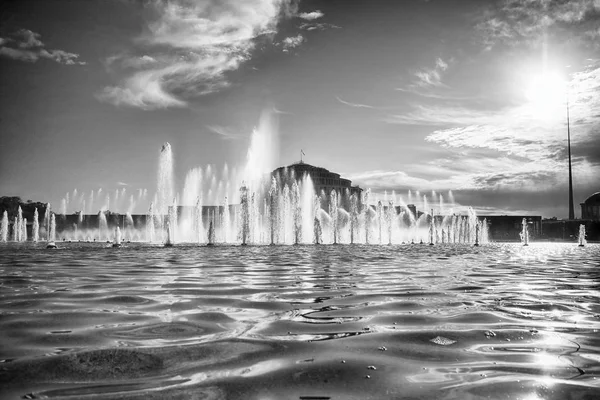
(300, 322)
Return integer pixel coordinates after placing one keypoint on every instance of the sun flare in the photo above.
(546, 93)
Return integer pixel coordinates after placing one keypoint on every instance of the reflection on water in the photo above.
(300, 322)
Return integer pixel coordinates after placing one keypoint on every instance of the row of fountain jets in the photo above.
(283, 216)
(282, 210)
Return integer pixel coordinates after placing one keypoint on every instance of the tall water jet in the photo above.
(296, 213)
(485, 238)
(477, 233)
(129, 226)
(245, 214)
(211, 231)
(380, 220)
(198, 229)
(285, 211)
(150, 224)
(524, 233)
(263, 153)
(318, 232)
(24, 230)
(226, 222)
(172, 219)
(46, 223)
(102, 225)
(19, 225)
(389, 217)
(367, 214)
(165, 183)
(333, 214)
(273, 209)
(4, 227)
(353, 217)
(581, 238)
(51, 232)
(117, 241)
(308, 211)
(431, 229)
(15, 231)
(169, 240)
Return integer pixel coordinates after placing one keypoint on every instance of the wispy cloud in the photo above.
(321, 26)
(492, 185)
(515, 22)
(311, 16)
(431, 76)
(224, 132)
(25, 45)
(357, 105)
(291, 42)
(189, 49)
(122, 183)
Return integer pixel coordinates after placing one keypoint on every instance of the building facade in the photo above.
(323, 180)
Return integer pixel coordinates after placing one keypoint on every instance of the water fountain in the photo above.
(581, 238)
(19, 225)
(51, 231)
(211, 232)
(117, 241)
(431, 229)
(249, 205)
(24, 230)
(169, 241)
(524, 233)
(4, 227)
(35, 231)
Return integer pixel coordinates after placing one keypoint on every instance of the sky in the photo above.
(433, 96)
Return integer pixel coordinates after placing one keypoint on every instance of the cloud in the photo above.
(321, 26)
(136, 62)
(431, 76)
(28, 39)
(516, 129)
(311, 16)
(353, 104)
(379, 181)
(514, 22)
(492, 185)
(25, 45)
(224, 132)
(189, 48)
(291, 42)
(510, 149)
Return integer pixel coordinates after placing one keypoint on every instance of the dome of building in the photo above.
(590, 208)
(593, 199)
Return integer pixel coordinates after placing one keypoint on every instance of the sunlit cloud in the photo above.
(518, 149)
(291, 42)
(25, 45)
(515, 22)
(189, 48)
(311, 16)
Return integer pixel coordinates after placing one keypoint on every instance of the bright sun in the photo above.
(546, 92)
